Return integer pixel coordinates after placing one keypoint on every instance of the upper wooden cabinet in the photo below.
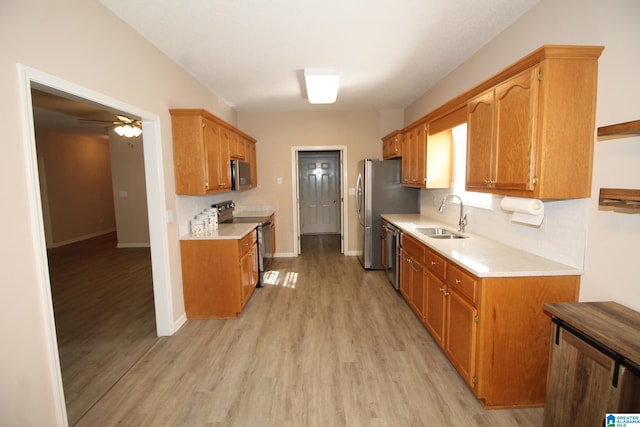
(530, 128)
(531, 134)
(392, 145)
(413, 156)
(203, 146)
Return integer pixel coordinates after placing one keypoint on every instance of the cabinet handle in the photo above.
(433, 263)
(458, 281)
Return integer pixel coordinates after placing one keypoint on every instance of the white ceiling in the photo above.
(252, 53)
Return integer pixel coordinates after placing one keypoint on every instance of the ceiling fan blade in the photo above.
(96, 122)
(125, 119)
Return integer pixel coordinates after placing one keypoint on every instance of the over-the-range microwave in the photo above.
(240, 175)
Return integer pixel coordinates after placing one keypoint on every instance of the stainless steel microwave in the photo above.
(240, 175)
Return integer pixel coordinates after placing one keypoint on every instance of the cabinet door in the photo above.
(435, 306)
(516, 103)
(461, 336)
(251, 154)
(224, 160)
(417, 288)
(480, 123)
(212, 138)
(420, 153)
(405, 275)
(579, 384)
(249, 272)
(407, 157)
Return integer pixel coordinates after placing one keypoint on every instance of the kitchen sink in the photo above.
(439, 233)
(447, 236)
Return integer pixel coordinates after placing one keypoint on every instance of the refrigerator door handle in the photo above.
(359, 198)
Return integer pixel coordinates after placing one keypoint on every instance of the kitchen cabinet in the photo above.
(392, 145)
(237, 146)
(493, 330)
(412, 274)
(218, 275)
(531, 133)
(427, 157)
(461, 324)
(436, 297)
(594, 363)
(202, 151)
(251, 156)
(413, 156)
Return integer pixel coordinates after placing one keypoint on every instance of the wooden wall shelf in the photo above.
(620, 198)
(628, 128)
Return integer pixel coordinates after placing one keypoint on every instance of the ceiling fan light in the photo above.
(128, 131)
(322, 85)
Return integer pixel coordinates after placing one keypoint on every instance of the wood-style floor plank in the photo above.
(326, 343)
(104, 315)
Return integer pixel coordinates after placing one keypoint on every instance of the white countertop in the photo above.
(479, 255)
(253, 213)
(231, 231)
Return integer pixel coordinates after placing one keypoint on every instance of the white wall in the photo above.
(609, 238)
(129, 191)
(73, 40)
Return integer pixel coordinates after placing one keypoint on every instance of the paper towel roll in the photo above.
(526, 211)
(521, 205)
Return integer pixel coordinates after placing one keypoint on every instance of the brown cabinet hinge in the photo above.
(476, 318)
(540, 75)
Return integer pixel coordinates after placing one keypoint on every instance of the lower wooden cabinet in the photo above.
(593, 364)
(493, 330)
(412, 274)
(218, 276)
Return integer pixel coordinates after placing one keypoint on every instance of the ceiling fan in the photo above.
(124, 126)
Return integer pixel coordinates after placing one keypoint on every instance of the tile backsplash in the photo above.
(561, 237)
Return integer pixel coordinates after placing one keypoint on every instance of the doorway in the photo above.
(104, 317)
(319, 184)
(319, 180)
(159, 252)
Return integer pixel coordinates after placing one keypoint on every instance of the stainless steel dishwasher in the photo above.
(393, 255)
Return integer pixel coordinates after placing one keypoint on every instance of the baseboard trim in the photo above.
(133, 245)
(179, 323)
(80, 238)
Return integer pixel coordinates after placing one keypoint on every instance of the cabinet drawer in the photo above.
(247, 242)
(462, 282)
(436, 264)
(413, 247)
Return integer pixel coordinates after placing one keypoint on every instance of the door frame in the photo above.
(342, 149)
(156, 202)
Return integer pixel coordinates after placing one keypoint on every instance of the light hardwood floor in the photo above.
(103, 307)
(325, 344)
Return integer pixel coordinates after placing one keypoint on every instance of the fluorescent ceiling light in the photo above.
(322, 85)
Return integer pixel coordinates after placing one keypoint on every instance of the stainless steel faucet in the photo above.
(462, 222)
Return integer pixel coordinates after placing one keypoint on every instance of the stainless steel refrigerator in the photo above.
(379, 191)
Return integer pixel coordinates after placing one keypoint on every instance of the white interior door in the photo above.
(319, 192)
